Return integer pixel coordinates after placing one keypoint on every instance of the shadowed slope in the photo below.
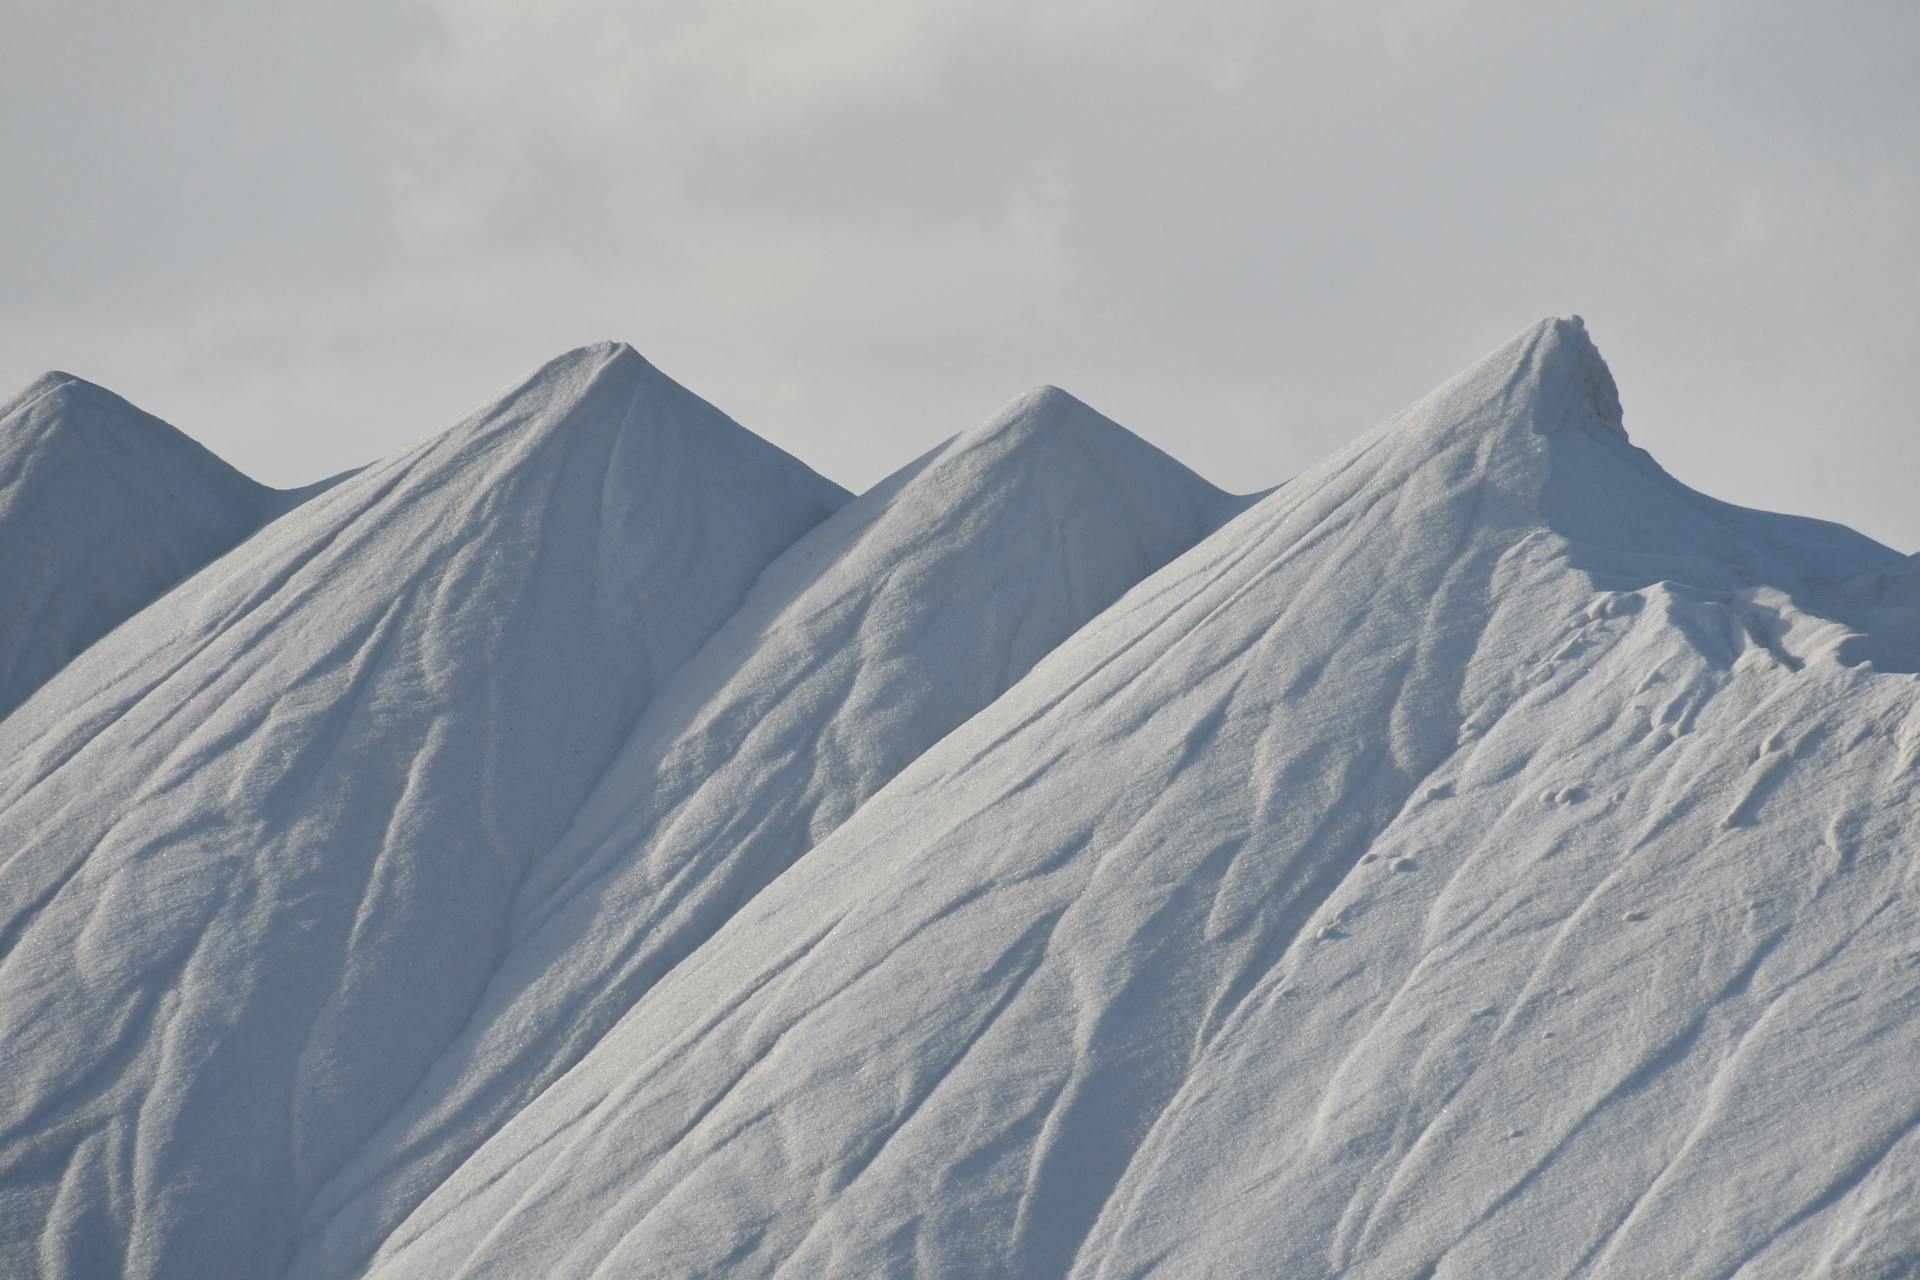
(102, 508)
(872, 637)
(1191, 951)
(260, 849)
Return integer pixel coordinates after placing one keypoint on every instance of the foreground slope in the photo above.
(102, 508)
(260, 849)
(1484, 856)
(871, 638)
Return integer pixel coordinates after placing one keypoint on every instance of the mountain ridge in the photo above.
(1057, 917)
(338, 743)
(881, 629)
(589, 842)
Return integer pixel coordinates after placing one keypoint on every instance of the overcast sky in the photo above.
(309, 234)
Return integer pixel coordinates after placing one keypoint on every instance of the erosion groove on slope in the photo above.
(102, 508)
(869, 639)
(1162, 962)
(341, 746)
(1482, 856)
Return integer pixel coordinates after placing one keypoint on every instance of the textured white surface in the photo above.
(569, 850)
(873, 636)
(260, 846)
(1480, 858)
(102, 508)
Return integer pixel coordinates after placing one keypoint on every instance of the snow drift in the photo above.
(1483, 855)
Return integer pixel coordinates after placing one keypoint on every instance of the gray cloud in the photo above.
(1247, 231)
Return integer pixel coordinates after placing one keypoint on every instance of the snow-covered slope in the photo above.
(872, 637)
(102, 508)
(261, 844)
(1485, 856)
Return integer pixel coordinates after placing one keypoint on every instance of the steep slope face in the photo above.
(260, 850)
(102, 508)
(1453, 866)
(886, 627)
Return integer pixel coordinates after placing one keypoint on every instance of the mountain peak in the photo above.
(52, 382)
(610, 353)
(1576, 358)
(106, 430)
(1554, 374)
(102, 508)
(1047, 414)
(581, 368)
(1048, 398)
(609, 392)
(1548, 381)
(48, 381)
(1041, 409)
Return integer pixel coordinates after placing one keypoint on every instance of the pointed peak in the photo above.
(1045, 410)
(59, 401)
(87, 440)
(591, 362)
(49, 383)
(1047, 422)
(1546, 380)
(53, 378)
(1573, 355)
(607, 391)
(1047, 399)
(552, 391)
(1058, 439)
(612, 352)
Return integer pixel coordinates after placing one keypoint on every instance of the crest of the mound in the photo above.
(102, 508)
(1046, 411)
(609, 395)
(1541, 419)
(562, 395)
(48, 382)
(58, 408)
(1533, 429)
(1053, 439)
(1545, 381)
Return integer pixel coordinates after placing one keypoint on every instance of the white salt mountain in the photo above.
(261, 843)
(102, 508)
(1485, 856)
(875, 635)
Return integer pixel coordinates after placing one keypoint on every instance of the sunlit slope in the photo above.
(1484, 856)
(883, 629)
(261, 845)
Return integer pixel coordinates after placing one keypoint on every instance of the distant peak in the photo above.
(60, 391)
(1059, 438)
(1043, 410)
